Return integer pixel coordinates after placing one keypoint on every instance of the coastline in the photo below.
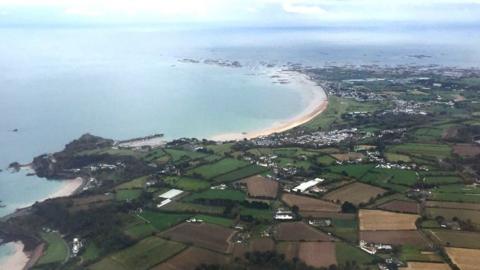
(17, 260)
(310, 91)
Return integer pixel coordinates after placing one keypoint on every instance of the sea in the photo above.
(57, 83)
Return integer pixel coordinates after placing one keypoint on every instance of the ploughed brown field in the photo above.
(317, 254)
(425, 266)
(394, 238)
(328, 215)
(355, 193)
(453, 205)
(463, 258)
(466, 150)
(261, 187)
(378, 220)
(348, 156)
(259, 244)
(299, 231)
(191, 258)
(401, 206)
(204, 235)
(309, 204)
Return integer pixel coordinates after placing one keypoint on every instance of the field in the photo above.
(227, 194)
(355, 171)
(456, 238)
(137, 183)
(431, 150)
(344, 228)
(187, 183)
(348, 156)
(209, 171)
(191, 258)
(457, 193)
(466, 150)
(261, 187)
(453, 205)
(240, 173)
(143, 255)
(401, 206)
(299, 231)
(348, 253)
(317, 254)
(309, 204)
(394, 157)
(57, 249)
(465, 259)
(378, 220)
(225, 222)
(394, 237)
(418, 254)
(260, 214)
(425, 266)
(177, 155)
(204, 235)
(193, 208)
(127, 194)
(355, 193)
(162, 221)
(462, 214)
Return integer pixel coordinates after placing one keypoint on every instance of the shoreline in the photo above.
(16, 260)
(20, 259)
(309, 90)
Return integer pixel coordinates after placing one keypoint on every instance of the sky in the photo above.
(241, 12)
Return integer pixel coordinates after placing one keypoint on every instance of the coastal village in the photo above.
(386, 177)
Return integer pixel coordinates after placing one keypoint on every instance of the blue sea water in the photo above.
(58, 83)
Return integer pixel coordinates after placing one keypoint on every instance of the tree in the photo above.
(348, 207)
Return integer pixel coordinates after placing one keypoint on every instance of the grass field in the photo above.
(177, 155)
(345, 228)
(457, 193)
(394, 157)
(260, 214)
(143, 255)
(193, 208)
(127, 194)
(414, 253)
(139, 231)
(187, 183)
(225, 222)
(326, 160)
(449, 214)
(355, 171)
(57, 249)
(137, 183)
(209, 171)
(431, 150)
(240, 173)
(227, 194)
(347, 254)
(91, 252)
(162, 221)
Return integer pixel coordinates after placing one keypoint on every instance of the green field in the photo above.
(326, 160)
(228, 194)
(260, 214)
(240, 174)
(127, 194)
(178, 155)
(162, 221)
(57, 249)
(141, 256)
(193, 208)
(394, 157)
(220, 167)
(413, 253)
(140, 231)
(355, 171)
(449, 214)
(187, 183)
(91, 252)
(225, 222)
(137, 183)
(347, 254)
(421, 149)
(456, 193)
(345, 229)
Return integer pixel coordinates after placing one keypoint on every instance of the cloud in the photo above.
(299, 8)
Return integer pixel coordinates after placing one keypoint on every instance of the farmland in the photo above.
(221, 167)
(456, 238)
(299, 231)
(309, 204)
(355, 193)
(260, 187)
(465, 259)
(191, 258)
(317, 254)
(57, 249)
(401, 206)
(376, 220)
(203, 235)
(143, 255)
(426, 266)
(394, 237)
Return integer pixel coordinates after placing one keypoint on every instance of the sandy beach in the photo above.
(312, 93)
(68, 188)
(17, 260)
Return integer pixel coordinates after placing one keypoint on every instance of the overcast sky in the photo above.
(241, 12)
